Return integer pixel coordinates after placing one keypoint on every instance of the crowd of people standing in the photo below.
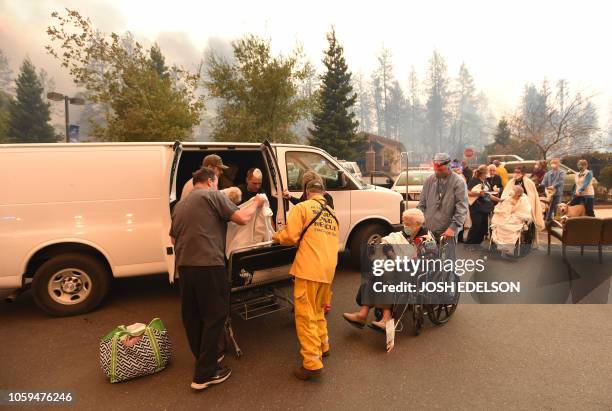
(489, 184)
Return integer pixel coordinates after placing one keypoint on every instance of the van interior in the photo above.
(252, 261)
(239, 162)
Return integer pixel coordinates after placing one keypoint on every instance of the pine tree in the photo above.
(334, 125)
(5, 104)
(437, 102)
(5, 73)
(502, 134)
(29, 113)
(158, 61)
(382, 83)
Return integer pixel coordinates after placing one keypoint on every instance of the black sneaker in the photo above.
(218, 377)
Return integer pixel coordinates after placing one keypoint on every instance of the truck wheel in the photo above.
(70, 284)
(365, 235)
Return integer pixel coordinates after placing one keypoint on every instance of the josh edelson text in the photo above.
(420, 275)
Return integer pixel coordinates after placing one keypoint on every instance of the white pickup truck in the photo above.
(73, 216)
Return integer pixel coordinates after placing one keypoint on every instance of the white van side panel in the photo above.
(113, 197)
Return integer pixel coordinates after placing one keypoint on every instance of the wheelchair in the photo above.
(523, 244)
(425, 306)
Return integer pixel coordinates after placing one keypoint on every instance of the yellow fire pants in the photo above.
(310, 322)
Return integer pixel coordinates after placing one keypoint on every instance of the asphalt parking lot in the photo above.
(488, 356)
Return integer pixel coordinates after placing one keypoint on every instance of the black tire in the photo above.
(365, 234)
(74, 268)
(440, 313)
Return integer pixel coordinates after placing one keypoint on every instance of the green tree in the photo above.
(5, 104)
(605, 177)
(6, 74)
(502, 134)
(258, 93)
(334, 125)
(146, 100)
(29, 113)
(158, 61)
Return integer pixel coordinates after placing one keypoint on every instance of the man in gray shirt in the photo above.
(199, 226)
(444, 199)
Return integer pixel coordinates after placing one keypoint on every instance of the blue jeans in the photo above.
(553, 207)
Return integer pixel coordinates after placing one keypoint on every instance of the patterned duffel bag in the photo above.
(136, 350)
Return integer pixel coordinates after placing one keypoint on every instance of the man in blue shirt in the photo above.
(554, 178)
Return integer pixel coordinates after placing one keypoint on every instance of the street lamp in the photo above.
(407, 154)
(77, 101)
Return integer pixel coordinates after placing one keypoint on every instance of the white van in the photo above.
(72, 216)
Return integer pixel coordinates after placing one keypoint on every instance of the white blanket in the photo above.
(258, 230)
(509, 218)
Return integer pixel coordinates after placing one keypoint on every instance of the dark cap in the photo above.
(213, 160)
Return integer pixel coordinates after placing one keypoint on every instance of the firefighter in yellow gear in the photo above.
(313, 227)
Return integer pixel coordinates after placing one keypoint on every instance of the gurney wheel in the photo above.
(417, 319)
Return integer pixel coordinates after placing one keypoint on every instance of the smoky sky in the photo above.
(504, 44)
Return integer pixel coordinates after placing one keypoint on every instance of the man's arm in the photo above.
(290, 234)
(244, 215)
(587, 180)
(461, 207)
(423, 199)
(545, 181)
(558, 183)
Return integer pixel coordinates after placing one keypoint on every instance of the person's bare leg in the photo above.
(358, 319)
(386, 315)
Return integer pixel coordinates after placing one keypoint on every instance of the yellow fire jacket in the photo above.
(317, 253)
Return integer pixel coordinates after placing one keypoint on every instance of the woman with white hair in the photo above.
(531, 191)
(414, 241)
(509, 218)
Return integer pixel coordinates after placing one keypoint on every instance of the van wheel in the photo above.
(366, 235)
(70, 284)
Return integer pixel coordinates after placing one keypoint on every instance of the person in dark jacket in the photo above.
(479, 193)
(467, 171)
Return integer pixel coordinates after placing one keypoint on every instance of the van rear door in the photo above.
(277, 182)
(177, 148)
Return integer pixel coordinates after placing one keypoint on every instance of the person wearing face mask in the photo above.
(531, 190)
(583, 191)
(553, 180)
(414, 234)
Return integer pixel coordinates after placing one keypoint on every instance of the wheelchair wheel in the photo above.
(440, 313)
(378, 314)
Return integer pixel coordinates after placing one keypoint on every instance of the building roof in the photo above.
(384, 141)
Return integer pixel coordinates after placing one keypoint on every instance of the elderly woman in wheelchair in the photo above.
(511, 219)
(414, 241)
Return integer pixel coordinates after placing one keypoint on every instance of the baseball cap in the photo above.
(441, 159)
(213, 160)
(314, 184)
